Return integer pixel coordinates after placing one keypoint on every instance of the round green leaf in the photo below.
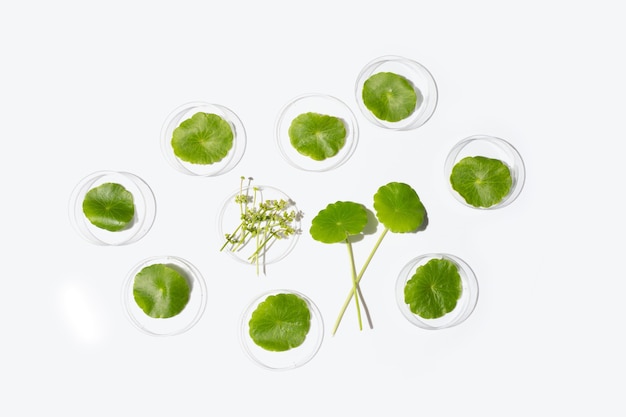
(390, 96)
(434, 289)
(205, 138)
(109, 206)
(398, 207)
(161, 291)
(317, 136)
(337, 221)
(280, 322)
(481, 181)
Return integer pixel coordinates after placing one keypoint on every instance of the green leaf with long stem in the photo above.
(337, 221)
(399, 209)
(335, 224)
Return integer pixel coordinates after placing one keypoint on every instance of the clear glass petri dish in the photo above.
(229, 219)
(490, 147)
(185, 112)
(465, 305)
(417, 74)
(143, 198)
(289, 359)
(171, 326)
(323, 104)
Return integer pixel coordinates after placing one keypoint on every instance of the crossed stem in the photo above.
(355, 285)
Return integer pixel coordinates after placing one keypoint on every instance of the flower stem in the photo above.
(358, 279)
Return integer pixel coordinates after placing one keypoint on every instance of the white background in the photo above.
(86, 87)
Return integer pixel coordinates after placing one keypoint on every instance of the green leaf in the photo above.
(109, 206)
(161, 291)
(481, 181)
(390, 96)
(337, 221)
(317, 136)
(205, 138)
(398, 207)
(280, 322)
(434, 289)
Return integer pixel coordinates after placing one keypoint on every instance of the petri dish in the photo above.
(143, 199)
(289, 359)
(229, 219)
(421, 80)
(465, 305)
(325, 105)
(171, 326)
(186, 111)
(490, 147)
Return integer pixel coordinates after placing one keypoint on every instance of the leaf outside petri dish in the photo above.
(337, 221)
(399, 208)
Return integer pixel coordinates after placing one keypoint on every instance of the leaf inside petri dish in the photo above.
(317, 136)
(280, 322)
(203, 139)
(161, 291)
(109, 206)
(481, 181)
(390, 97)
(434, 289)
(337, 221)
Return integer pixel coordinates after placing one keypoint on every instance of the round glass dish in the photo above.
(323, 104)
(175, 325)
(289, 359)
(465, 305)
(230, 217)
(490, 147)
(417, 74)
(143, 199)
(185, 112)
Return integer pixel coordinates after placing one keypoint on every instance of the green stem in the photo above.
(240, 194)
(268, 239)
(358, 279)
(354, 281)
(232, 234)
